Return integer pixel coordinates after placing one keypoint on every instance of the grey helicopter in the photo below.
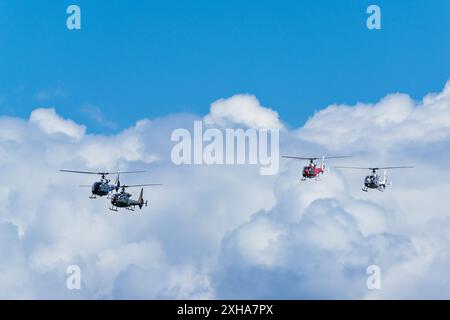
(124, 199)
(103, 187)
(374, 180)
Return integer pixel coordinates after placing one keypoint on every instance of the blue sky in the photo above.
(152, 58)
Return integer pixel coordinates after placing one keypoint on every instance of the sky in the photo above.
(153, 58)
(111, 95)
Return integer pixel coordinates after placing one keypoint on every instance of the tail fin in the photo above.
(141, 198)
(322, 164)
(118, 182)
(385, 178)
(387, 181)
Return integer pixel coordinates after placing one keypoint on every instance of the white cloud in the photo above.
(242, 109)
(226, 231)
(56, 225)
(51, 123)
(394, 121)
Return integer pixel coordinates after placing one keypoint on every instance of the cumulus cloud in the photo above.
(227, 231)
(395, 116)
(242, 109)
(50, 223)
(52, 123)
(322, 254)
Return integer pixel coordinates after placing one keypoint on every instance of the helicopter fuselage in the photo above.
(101, 188)
(311, 171)
(371, 182)
(123, 200)
(374, 181)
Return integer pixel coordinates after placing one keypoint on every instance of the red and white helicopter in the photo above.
(312, 170)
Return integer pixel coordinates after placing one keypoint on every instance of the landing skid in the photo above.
(92, 197)
(116, 209)
(365, 189)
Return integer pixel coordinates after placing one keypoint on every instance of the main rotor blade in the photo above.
(141, 185)
(338, 167)
(403, 167)
(85, 186)
(120, 172)
(101, 173)
(84, 172)
(315, 158)
(298, 158)
(374, 168)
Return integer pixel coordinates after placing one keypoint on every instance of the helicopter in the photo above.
(374, 180)
(123, 199)
(102, 188)
(312, 170)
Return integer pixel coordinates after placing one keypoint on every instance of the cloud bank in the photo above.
(226, 231)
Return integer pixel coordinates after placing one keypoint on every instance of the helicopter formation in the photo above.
(115, 192)
(371, 181)
(120, 198)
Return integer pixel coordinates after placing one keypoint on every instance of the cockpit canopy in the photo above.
(96, 187)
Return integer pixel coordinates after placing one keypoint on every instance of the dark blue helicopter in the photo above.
(124, 199)
(103, 187)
